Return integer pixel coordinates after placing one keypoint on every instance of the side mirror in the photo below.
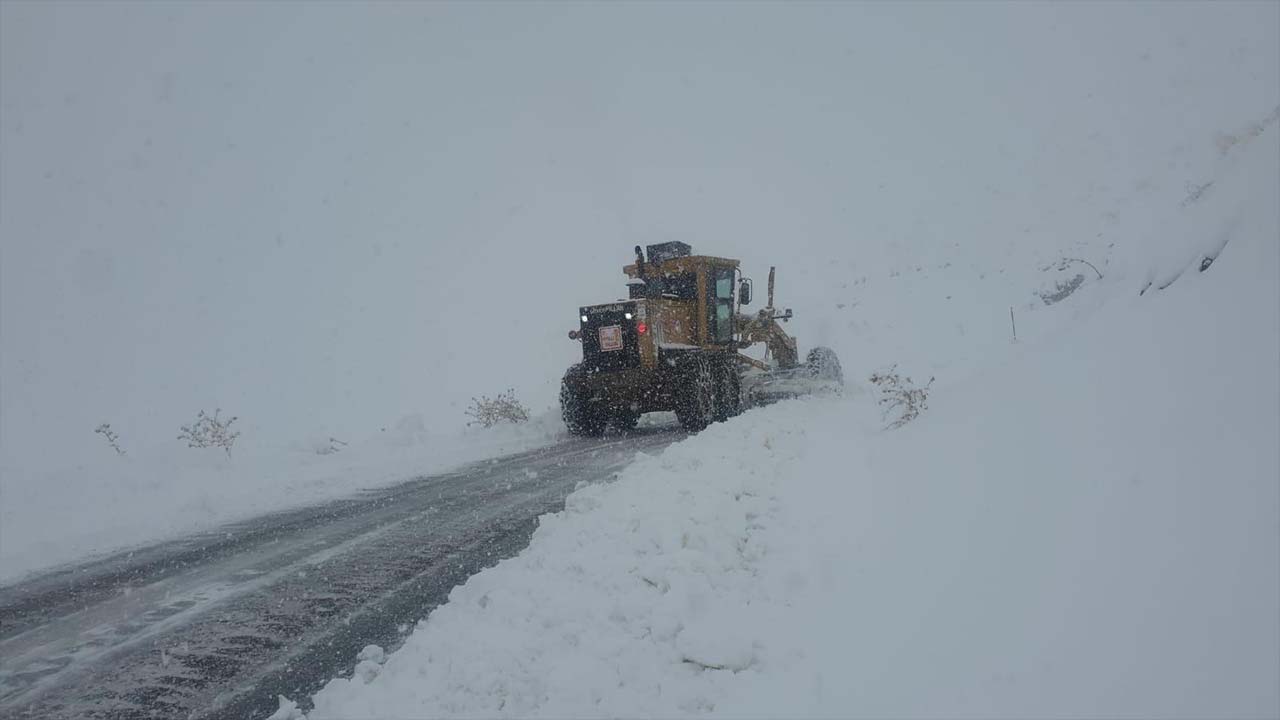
(744, 291)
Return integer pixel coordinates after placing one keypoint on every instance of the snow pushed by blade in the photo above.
(1087, 526)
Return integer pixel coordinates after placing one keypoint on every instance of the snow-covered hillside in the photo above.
(1086, 526)
(74, 512)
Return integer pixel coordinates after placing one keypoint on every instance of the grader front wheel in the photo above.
(823, 364)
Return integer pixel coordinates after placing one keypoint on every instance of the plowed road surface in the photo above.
(220, 623)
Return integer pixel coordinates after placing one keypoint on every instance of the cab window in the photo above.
(720, 320)
(724, 285)
(683, 286)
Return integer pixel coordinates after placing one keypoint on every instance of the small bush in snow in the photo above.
(111, 437)
(487, 412)
(900, 396)
(330, 447)
(1062, 289)
(1065, 284)
(210, 431)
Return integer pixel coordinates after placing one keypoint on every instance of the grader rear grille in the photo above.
(609, 338)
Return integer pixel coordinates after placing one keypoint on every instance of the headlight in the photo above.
(584, 318)
(628, 316)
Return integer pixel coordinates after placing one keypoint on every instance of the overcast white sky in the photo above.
(323, 216)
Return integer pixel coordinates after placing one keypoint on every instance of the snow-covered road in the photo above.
(221, 622)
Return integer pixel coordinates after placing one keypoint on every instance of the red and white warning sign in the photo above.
(611, 337)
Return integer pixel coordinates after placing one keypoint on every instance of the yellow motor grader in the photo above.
(673, 345)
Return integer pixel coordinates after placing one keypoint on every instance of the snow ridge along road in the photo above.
(220, 623)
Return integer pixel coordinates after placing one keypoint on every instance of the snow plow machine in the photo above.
(674, 345)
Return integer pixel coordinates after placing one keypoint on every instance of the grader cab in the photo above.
(673, 345)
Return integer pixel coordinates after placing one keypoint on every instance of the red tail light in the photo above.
(641, 327)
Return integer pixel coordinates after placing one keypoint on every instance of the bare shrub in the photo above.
(900, 396)
(210, 431)
(1061, 290)
(111, 437)
(330, 447)
(487, 412)
(1065, 284)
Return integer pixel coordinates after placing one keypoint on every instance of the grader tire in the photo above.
(824, 365)
(696, 406)
(728, 392)
(578, 414)
(625, 419)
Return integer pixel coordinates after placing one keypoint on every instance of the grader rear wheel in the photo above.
(625, 419)
(576, 410)
(728, 392)
(696, 406)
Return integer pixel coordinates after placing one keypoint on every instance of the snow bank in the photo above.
(49, 517)
(1087, 526)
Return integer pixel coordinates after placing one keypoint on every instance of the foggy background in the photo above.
(322, 217)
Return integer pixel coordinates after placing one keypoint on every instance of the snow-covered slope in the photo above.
(71, 512)
(1086, 523)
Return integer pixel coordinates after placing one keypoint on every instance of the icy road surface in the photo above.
(218, 624)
